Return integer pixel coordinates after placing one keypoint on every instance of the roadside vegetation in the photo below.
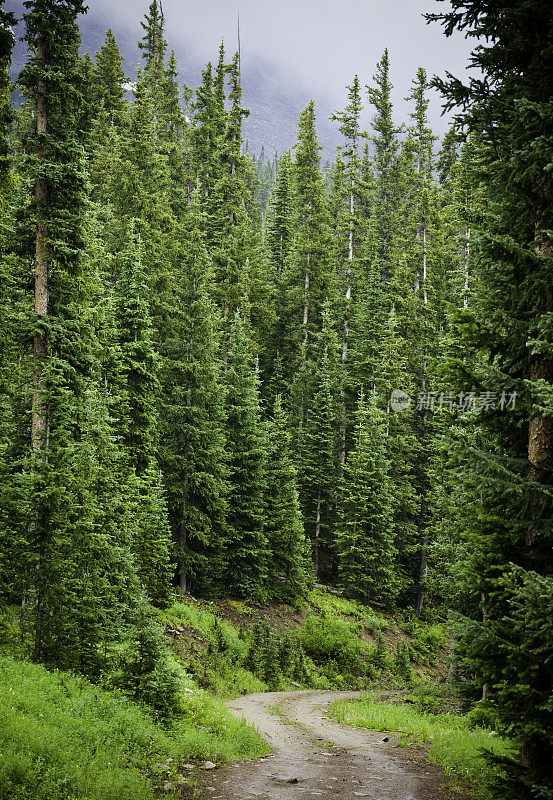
(63, 738)
(454, 741)
(233, 648)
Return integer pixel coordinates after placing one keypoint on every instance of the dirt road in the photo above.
(316, 757)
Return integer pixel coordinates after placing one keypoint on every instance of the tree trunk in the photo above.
(316, 565)
(486, 685)
(183, 576)
(423, 574)
(466, 269)
(306, 297)
(540, 432)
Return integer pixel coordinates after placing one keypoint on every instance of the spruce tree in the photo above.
(364, 532)
(386, 145)
(13, 545)
(288, 567)
(192, 449)
(246, 542)
(308, 278)
(318, 448)
(109, 79)
(53, 160)
(348, 226)
(138, 373)
(508, 479)
(81, 580)
(279, 236)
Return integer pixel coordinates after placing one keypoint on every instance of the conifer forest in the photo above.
(277, 422)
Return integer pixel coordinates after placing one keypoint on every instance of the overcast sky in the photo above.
(316, 46)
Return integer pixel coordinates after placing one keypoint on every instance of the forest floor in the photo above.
(313, 756)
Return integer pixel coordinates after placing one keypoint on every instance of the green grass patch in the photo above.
(449, 741)
(218, 667)
(220, 632)
(62, 738)
(333, 605)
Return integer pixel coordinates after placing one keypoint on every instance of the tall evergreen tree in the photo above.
(138, 370)
(318, 448)
(508, 479)
(308, 278)
(289, 559)
(385, 139)
(247, 549)
(348, 225)
(193, 416)
(365, 538)
(109, 78)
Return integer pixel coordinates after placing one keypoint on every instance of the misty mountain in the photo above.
(275, 100)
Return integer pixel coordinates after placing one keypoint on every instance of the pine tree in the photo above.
(13, 544)
(279, 236)
(109, 79)
(386, 146)
(81, 576)
(284, 527)
(308, 278)
(138, 370)
(247, 549)
(193, 438)
(52, 161)
(280, 227)
(350, 128)
(364, 532)
(420, 309)
(153, 47)
(6, 45)
(508, 480)
(348, 226)
(318, 445)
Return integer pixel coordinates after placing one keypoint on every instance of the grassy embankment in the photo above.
(62, 738)
(231, 648)
(451, 740)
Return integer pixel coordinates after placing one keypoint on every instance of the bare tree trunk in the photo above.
(183, 576)
(423, 574)
(316, 565)
(306, 297)
(486, 685)
(540, 432)
(466, 269)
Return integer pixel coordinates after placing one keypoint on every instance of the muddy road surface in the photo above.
(314, 757)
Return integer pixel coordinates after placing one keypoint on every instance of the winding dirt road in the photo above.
(316, 757)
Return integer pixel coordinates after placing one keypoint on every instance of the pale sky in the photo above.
(309, 48)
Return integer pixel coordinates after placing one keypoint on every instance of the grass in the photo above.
(333, 605)
(449, 741)
(62, 738)
(339, 637)
(217, 664)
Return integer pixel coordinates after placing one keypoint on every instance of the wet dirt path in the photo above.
(315, 757)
